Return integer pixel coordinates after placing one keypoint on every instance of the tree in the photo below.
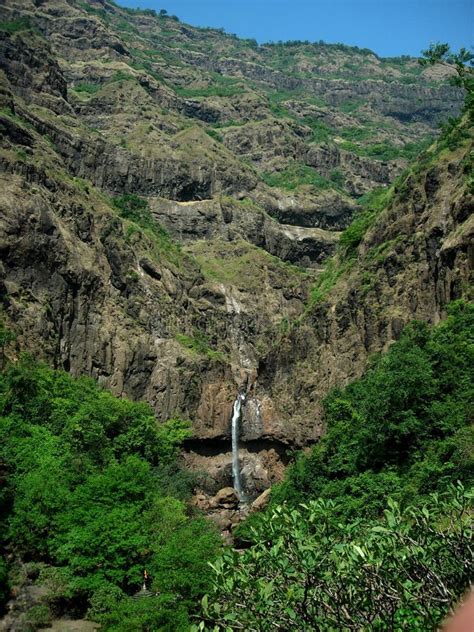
(462, 62)
(89, 494)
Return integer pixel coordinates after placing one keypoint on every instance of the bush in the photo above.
(89, 88)
(372, 205)
(147, 614)
(4, 584)
(38, 617)
(213, 134)
(135, 209)
(22, 24)
(310, 571)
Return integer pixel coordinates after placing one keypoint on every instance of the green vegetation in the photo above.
(22, 24)
(332, 552)
(214, 134)
(309, 571)
(298, 175)
(121, 75)
(6, 337)
(220, 90)
(322, 133)
(356, 133)
(327, 280)
(242, 264)
(199, 343)
(372, 203)
(21, 155)
(453, 134)
(39, 616)
(4, 583)
(404, 428)
(93, 494)
(351, 105)
(462, 62)
(135, 209)
(102, 13)
(88, 88)
(383, 151)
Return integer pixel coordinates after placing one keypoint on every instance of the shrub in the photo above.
(135, 209)
(215, 135)
(89, 88)
(4, 584)
(372, 205)
(22, 24)
(38, 617)
(310, 571)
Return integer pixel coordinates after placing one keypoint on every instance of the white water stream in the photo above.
(235, 443)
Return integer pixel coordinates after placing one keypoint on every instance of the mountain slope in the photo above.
(117, 123)
(415, 257)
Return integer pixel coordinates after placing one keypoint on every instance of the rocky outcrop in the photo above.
(228, 220)
(330, 210)
(415, 260)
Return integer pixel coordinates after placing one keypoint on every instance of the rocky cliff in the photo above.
(165, 212)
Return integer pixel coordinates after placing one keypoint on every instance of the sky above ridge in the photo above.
(389, 27)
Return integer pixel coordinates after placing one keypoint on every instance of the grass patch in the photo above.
(15, 26)
(300, 175)
(379, 254)
(229, 123)
(372, 205)
(351, 105)
(356, 133)
(120, 75)
(135, 209)
(21, 155)
(88, 88)
(384, 151)
(199, 344)
(321, 132)
(242, 264)
(208, 91)
(327, 279)
(213, 134)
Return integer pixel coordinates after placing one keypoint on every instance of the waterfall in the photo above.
(235, 442)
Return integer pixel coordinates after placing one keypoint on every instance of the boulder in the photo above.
(261, 501)
(227, 497)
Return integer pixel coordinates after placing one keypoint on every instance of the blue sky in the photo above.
(389, 27)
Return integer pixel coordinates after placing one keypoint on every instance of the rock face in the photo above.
(415, 260)
(194, 300)
(228, 220)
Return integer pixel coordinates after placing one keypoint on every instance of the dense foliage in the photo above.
(93, 497)
(372, 529)
(310, 571)
(404, 429)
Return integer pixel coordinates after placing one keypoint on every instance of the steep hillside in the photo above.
(405, 258)
(155, 199)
